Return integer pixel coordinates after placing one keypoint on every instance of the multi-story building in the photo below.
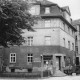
(76, 24)
(51, 44)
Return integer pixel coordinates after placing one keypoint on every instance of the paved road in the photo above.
(49, 78)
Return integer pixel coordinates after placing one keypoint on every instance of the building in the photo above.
(76, 24)
(50, 46)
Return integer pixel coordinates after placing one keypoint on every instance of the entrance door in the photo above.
(12, 70)
(57, 62)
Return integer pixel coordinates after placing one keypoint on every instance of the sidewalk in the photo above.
(47, 78)
(63, 78)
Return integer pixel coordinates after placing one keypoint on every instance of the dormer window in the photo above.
(33, 10)
(47, 10)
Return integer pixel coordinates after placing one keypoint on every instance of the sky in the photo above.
(74, 6)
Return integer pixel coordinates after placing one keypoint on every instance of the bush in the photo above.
(21, 75)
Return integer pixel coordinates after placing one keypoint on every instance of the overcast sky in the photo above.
(74, 6)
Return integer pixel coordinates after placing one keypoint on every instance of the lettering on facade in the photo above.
(37, 60)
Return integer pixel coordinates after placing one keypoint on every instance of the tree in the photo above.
(14, 17)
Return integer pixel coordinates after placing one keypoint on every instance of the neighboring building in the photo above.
(76, 24)
(52, 43)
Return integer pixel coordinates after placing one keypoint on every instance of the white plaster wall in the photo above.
(67, 17)
(67, 37)
(41, 31)
(54, 23)
(39, 36)
(55, 31)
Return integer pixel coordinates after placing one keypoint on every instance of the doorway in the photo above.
(12, 70)
(58, 62)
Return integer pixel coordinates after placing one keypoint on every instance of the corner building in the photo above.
(50, 46)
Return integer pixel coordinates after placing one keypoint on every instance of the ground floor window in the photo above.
(30, 58)
(12, 57)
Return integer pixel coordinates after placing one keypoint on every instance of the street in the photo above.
(49, 78)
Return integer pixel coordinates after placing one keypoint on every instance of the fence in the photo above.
(25, 74)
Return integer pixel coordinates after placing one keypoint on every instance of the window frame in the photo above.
(47, 40)
(69, 47)
(64, 25)
(47, 23)
(64, 42)
(73, 46)
(47, 10)
(11, 58)
(33, 10)
(29, 56)
(29, 41)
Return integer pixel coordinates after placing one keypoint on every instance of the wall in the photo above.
(67, 37)
(78, 38)
(67, 16)
(22, 51)
(41, 31)
(39, 36)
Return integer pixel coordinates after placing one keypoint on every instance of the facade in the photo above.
(76, 24)
(50, 46)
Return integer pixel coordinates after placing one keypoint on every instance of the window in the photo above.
(76, 49)
(47, 40)
(64, 25)
(68, 29)
(33, 10)
(77, 60)
(64, 42)
(47, 23)
(72, 46)
(47, 10)
(12, 57)
(29, 41)
(72, 32)
(30, 58)
(69, 44)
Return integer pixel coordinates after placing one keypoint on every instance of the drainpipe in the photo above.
(41, 66)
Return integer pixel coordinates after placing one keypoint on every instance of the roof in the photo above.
(76, 22)
(66, 8)
(45, 3)
(58, 16)
(56, 13)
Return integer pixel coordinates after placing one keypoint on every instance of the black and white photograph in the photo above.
(39, 39)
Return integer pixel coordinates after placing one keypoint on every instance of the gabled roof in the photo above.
(45, 3)
(76, 22)
(56, 13)
(66, 8)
